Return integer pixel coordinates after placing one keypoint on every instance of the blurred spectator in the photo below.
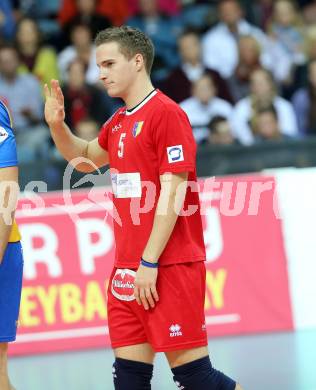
(40, 60)
(304, 102)
(83, 101)
(249, 60)
(163, 31)
(82, 47)
(203, 106)
(43, 11)
(300, 74)
(265, 125)
(87, 129)
(86, 14)
(259, 12)
(286, 28)
(7, 22)
(263, 94)
(199, 15)
(22, 93)
(168, 7)
(220, 50)
(178, 85)
(220, 132)
(116, 11)
(309, 13)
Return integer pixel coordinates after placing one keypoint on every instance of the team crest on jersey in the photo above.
(3, 134)
(137, 128)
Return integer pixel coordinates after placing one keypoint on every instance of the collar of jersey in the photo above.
(142, 103)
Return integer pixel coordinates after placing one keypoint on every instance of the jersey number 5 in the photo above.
(120, 151)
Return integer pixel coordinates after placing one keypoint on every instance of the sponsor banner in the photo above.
(69, 249)
(247, 285)
(297, 194)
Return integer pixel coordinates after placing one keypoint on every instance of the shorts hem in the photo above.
(7, 339)
(129, 343)
(176, 347)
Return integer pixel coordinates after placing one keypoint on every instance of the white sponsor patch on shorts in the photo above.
(175, 153)
(126, 185)
(122, 286)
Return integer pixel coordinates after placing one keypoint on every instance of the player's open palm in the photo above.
(54, 104)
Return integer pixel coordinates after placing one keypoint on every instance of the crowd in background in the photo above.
(243, 71)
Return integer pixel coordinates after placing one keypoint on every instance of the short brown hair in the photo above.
(131, 41)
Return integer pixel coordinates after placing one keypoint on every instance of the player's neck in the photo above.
(137, 94)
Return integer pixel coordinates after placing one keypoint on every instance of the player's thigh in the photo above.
(183, 356)
(138, 352)
(3, 355)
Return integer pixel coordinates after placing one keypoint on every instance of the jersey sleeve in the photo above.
(174, 142)
(8, 154)
(104, 132)
(103, 136)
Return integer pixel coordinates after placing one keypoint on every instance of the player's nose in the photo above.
(103, 75)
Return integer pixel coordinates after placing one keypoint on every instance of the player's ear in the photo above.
(139, 62)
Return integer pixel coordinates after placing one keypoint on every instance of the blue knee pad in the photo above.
(131, 375)
(200, 375)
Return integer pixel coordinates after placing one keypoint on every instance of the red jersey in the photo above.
(143, 143)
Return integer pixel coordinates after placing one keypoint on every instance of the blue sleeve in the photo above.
(8, 154)
(8, 28)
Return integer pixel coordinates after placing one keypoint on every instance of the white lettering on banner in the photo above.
(213, 235)
(239, 199)
(37, 202)
(89, 250)
(181, 191)
(210, 191)
(257, 188)
(46, 254)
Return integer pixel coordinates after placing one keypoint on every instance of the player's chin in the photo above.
(112, 92)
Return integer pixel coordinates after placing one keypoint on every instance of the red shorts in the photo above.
(176, 322)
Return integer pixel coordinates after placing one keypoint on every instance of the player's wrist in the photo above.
(149, 264)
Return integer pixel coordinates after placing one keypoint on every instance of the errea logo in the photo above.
(116, 128)
(175, 330)
(179, 386)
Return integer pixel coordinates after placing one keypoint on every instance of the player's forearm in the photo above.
(162, 228)
(70, 146)
(170, 202)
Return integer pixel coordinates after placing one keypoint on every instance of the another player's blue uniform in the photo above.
(11, 268)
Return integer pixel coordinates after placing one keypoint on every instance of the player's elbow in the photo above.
(84, 168)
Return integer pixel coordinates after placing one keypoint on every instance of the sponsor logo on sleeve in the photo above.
(3, 134)
(175, 153)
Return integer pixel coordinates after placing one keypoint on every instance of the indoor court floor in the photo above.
(276, 361)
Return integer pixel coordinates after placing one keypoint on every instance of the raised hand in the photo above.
(54, 104)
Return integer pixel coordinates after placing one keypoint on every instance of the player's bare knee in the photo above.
(238, 387)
